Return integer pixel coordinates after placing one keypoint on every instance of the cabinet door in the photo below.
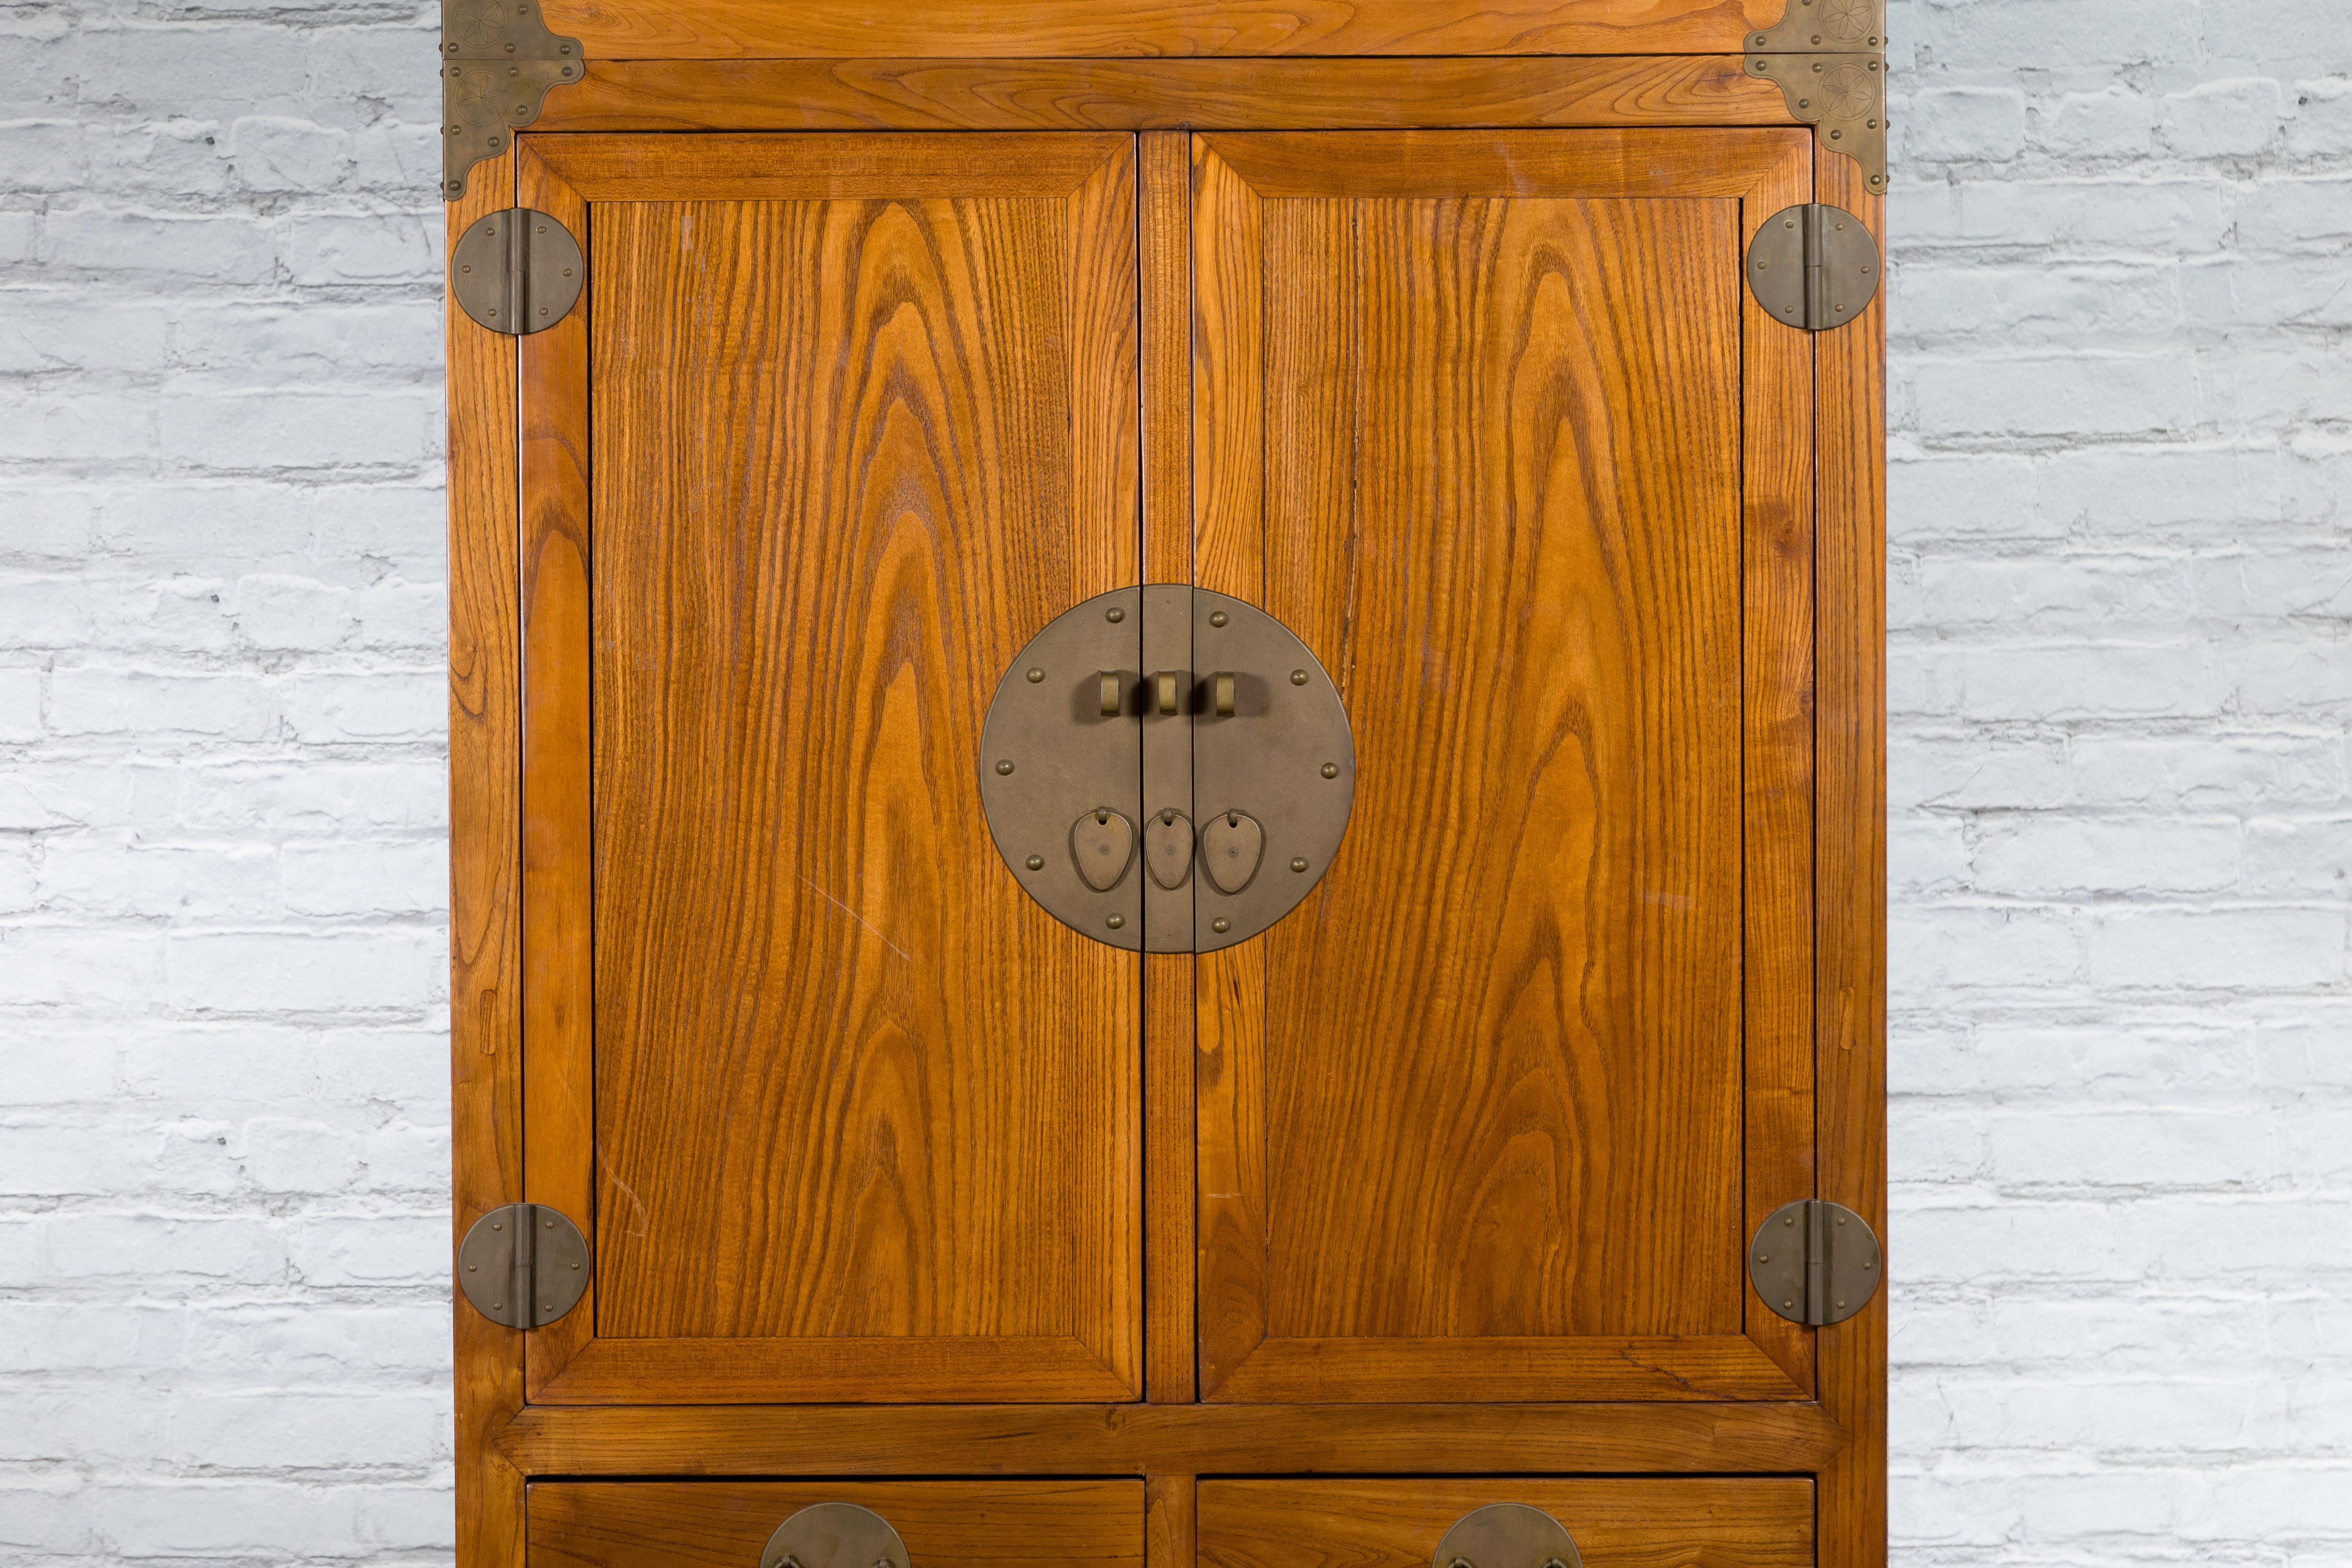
(1492, 422)
(1397, 1523)
(840, 421)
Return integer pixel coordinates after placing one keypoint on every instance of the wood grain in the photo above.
(1777, 774)
(866, 1123)
(1168, 1519)
(1850, 877)
(1248, 94)
(558, 907)
(1472, 1123)
(1394, 1523)
(826, 168)
(1173, 1440)
(485, 1067)
(719, 29)
(1164, 206)
(714, 1524)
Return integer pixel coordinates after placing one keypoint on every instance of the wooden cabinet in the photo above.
(1426, 330)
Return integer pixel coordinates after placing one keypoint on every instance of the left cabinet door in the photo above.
(838, 424)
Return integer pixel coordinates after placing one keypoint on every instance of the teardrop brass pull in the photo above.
(1230, 847)
(1110, 696)
(1167, 688)
(1220, 694)
(1101, 844)
(1167, 848)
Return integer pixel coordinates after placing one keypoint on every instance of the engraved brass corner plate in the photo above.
(523, 1264)
(518, 271)
(1815, 1262)
(1829, 57)
(834, 1535)
(1093, 810)
(498, 62)
(1814, 267)
(1506, 1535)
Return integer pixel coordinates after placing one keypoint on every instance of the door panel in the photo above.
(1766, 1523)
(1492, 423)
(1050, 1524)
(861, 417)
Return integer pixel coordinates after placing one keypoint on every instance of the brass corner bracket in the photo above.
(1830, 58)
(497, 63)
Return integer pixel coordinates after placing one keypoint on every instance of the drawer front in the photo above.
(1397, 1523)
(726, 1524)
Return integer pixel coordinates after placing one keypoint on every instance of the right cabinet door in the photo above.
(1492, 422)
(1388, 1522)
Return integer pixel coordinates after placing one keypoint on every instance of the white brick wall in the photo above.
(2121, 586)
(2121, 305)
(223, 1060)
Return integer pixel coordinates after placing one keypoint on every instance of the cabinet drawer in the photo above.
(1397, 1523)
(726, 1524)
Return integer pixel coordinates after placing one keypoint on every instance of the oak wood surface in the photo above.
(720, 1524)
(719, 29)
(900, 168)
(1711, 1522)
(1472, 1121)
(485, 857)
(866, 1121)
(1171, 1439)
(1248, 94)
(1778, 506)
(1168, 1519)
(558, 912)
(1164, 203)
(1851, 876)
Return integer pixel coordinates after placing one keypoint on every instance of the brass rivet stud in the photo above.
(471, 1268)
(1221, 925)
(1035, 862)
(1036, 676)
(1005, 766)
(1330, 770)
(1298, 678)
(1299, 863)
(1218, 619)
(1116, 921)
(1789, 1220)
(1114, 615)
(1787, 1306)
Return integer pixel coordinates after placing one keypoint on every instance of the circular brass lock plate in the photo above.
(1272, 781)
(834, 1535)
(1506, 1535)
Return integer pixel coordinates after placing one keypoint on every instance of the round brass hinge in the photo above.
(518, 271)
(523, 1264)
